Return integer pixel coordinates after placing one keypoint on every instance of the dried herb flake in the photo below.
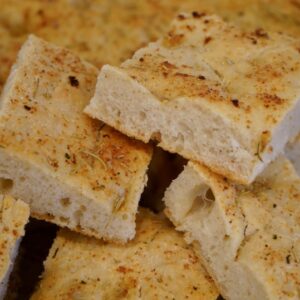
(73, 81)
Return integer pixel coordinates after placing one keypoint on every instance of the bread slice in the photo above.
(292, 151)
(157, 264)
(247, 237)
(109, 32)
(14, 215)
(207, 91)
(70, 169)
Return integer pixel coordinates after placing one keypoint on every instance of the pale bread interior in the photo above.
(248, 238)
(208, 93)
(70, 169)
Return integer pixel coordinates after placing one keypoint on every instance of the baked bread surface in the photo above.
(247, 237)
(71, 170)
(157, 264)
(209, 92)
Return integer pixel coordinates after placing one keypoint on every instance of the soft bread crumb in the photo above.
(70, 169)
(209, 92)
(247, 237)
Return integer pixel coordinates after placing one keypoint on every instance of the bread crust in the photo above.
(248, 237)
(208, 91)
(62, 162)
(78, 24)
(148, 267)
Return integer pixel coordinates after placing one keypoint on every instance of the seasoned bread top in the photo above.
(14, 215)
(271, 245)
(102, 31)
(42, 123)
(255, 229)
(250, 79)
(157, 264)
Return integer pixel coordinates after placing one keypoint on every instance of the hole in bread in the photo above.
(65, 202)
(6, 185)
(209, 195)
(156, 136)
(205, 198)
(124, 217)
(22, 179)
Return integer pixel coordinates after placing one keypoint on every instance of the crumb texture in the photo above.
(157, 264)
(72, 170)
(210, 92)
(248, 237)
(102, 32)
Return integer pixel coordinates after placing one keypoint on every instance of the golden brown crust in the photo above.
(264, 245)
(245, 76)
(43, 126)
(102, 32)
(157, 264)
(239, 87)
(54, 87)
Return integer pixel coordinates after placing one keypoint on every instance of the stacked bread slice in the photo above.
(225, 99)
(82, 174)
(71, 170)
(14, 215)
(157, 264)
(248, 237)
(209, 92)
(229, 101)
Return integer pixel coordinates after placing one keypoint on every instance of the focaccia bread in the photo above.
(210, 92)
(292, 151)
(247, 237)
(157, 264)
(70, 169)
(102, 31)
(14, 215)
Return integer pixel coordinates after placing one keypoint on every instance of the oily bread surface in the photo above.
(48, 144)
(208, 91)
(248, 238)
(149, 267)
(103, 31)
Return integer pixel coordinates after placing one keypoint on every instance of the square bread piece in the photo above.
(247, 237)
(14, 215)
(71, 170)
(157, 264)
(210, 92)
(292, 151)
